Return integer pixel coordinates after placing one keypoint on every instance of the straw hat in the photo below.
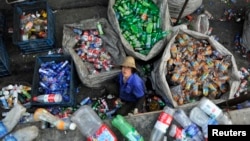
(129, 62)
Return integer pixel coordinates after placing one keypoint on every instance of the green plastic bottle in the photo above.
(126, 129)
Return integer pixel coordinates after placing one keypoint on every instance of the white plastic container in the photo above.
(213, 111)
(91, 125)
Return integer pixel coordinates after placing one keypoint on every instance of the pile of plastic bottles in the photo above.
(90, 49)
(34, 25)
(11, 94)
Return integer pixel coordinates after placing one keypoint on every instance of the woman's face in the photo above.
(126, 71)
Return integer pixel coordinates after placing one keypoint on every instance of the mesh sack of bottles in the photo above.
(194, 65)
(95, 49)
(143, 26)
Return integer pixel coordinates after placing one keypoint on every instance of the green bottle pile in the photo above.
(139, 23)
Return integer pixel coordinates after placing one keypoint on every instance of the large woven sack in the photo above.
(111, 43)
(246, 31)
(162, 86)
(157, 47)
(175, 7)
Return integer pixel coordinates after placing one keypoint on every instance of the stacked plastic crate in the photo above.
(4, 57)
(34, 27)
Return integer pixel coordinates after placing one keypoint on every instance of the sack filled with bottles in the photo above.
(143, 26)
(95, 49)
(194, 65)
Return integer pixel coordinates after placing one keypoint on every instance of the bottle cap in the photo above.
(34, 98)
(72, 126)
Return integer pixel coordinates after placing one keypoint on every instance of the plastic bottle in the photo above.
(11, 119)
(213, 111)
(42, 114)
(177, 133)
(91, 126)
(202, 120)
(24, 134)
(48, 98)
(126, 129)
(162, 124)
(191, 130)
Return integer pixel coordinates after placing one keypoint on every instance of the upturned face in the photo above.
(126, 71)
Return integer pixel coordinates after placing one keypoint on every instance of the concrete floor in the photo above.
(69, 11)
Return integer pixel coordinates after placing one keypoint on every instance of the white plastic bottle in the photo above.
(202, 120)
(213, 111)
(191, 129)
(11, 119)
(28, 133)
(162, 124)
(42, 114)
(91, 126)
(48, 98)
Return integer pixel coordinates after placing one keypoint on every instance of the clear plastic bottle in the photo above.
(42, 114)
(162, 124)
(91, 125)
(213, 111)
(11, 119)
(48, 98)
(191, 129)
(202, 120)
(126, 129)
(24, 134)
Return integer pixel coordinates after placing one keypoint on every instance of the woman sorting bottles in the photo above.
(131, 88)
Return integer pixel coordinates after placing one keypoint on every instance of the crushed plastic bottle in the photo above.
(177, 133)
(213, 111)
(126, 129)
(192, 131)
(91, 126)
(24, 134)
(162, 124)
(202, 120)
(11, 119)
(42, 114)
(48, 98)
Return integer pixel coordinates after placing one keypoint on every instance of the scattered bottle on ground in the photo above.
(48, 98)
(11, 119)
(162, 124)
(42, 114)
(126, 129)
(24, 134)
(91, 126)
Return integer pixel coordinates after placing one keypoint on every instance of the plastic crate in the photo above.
(36, 79)
(33, 45)
(4, 60)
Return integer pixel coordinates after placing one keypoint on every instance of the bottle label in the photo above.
(104, 133)
(50, 98)
(134, 136)
(163, 122)
(191, 130)
(10, 137)
(211, 109)
(3, 129)
(178, 133)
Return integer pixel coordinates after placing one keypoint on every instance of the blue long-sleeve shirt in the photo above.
(133, 89)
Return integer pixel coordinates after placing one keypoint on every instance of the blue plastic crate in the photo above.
(4, 60)
(33, 45)
(36, 79)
